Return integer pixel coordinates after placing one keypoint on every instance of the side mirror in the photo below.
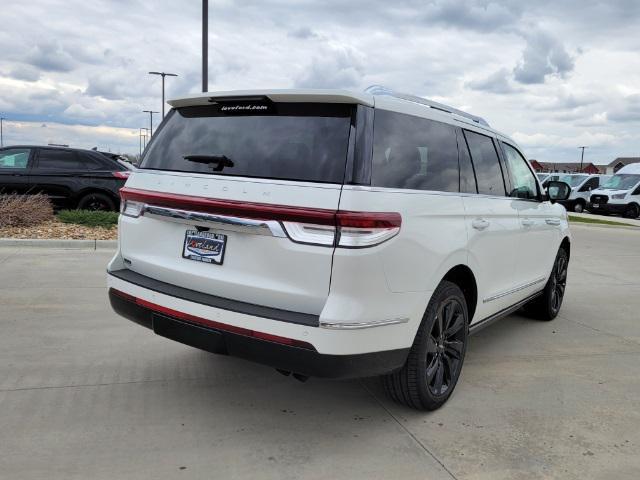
(558, 191)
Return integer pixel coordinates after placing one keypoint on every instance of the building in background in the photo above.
(563, 167)
(615, 165)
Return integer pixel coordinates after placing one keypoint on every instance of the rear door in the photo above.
(14, 170)
(244, 179)
(492, 227)
(56, 173)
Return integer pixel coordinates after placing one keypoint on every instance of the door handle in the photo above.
(552, 221)
(480, 223)
(527, 222)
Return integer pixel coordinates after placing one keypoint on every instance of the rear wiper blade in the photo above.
(220, 161)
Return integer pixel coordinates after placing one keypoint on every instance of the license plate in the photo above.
(204, 247)
(596, 205)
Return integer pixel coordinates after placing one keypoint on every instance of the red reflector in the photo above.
(211, 323)
(123, 175)
(258, 211)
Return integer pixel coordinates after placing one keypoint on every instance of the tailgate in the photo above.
(260, 265)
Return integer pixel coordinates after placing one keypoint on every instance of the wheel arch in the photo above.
(566, 245)
(464, 278)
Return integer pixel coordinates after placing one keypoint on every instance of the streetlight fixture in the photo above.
(1, 135)
(205, 45)
(582, 156)
(150, 112)
(163, 74)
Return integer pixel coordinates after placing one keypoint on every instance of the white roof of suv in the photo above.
(373, 96)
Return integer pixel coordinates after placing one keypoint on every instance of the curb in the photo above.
(59, 243)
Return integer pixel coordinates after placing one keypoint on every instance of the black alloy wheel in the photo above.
(96, 202)
(434, 363)
(445, 346)
(547, 305)
(558, 282)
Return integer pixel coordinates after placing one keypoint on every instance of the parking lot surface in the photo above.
(86, 394)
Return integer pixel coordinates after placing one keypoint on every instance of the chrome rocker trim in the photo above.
(360, 325)
(514, 290)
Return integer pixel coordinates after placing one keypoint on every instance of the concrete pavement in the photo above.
(86, 394)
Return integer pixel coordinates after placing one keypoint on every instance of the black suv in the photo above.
(71, 177)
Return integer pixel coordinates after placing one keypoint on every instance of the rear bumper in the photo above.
(298, 357)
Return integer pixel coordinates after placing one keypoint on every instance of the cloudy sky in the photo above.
(553, 74)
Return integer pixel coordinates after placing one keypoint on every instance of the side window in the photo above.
(414, 153)
(636, 191)
(92, 163)
(467, 175)
(486, 164)
(590, 184)
(15, 158)
(523, 182)
(51, 159)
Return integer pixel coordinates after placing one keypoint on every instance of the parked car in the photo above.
(620, 194)
(542, 177)
(297, 229)
(71, 177)
(581, 187)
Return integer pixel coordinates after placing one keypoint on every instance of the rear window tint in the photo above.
(414, 153)
(486, 164)
(290, 141)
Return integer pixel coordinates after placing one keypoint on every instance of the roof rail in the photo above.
(381, 90)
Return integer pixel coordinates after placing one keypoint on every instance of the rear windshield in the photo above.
(290, 141)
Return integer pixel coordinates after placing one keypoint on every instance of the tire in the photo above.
(632, 211)
(546, 306)
(96, 201)
(578, 207)
(433, 366)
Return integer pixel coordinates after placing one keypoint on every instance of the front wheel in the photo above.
(578, 207)
(433, 366)
(547, 305)
(632, 211)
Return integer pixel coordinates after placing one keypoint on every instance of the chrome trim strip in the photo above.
(221, 222)
(360, 325)
(513, 290)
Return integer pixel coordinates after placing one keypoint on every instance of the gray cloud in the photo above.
(333, 67)
(543, 55)
(497, 82)
(303, 33)
(51, 57)
(627, 110)
(482, 15)
(25, 72)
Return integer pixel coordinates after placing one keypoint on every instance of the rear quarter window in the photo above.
(414, 153)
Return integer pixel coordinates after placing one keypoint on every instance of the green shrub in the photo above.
(24, 210)
(89, 218)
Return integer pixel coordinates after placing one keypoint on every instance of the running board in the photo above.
(476, 327)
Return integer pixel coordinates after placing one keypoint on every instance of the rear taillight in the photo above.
(122, 175)
(351, 230)
(311, 226)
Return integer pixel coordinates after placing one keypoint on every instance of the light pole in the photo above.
(582, 156)
(205, 45)
(142, 139)
(1, 134)
(163, 74)
(150, 112)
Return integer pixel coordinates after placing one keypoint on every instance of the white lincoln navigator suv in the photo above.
(336, 234)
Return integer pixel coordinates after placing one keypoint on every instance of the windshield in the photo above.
(289, 141)
(621, 182)
(572, 180)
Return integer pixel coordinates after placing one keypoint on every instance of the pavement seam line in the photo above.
(82, 385)
(415, 439)
(609, 334)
